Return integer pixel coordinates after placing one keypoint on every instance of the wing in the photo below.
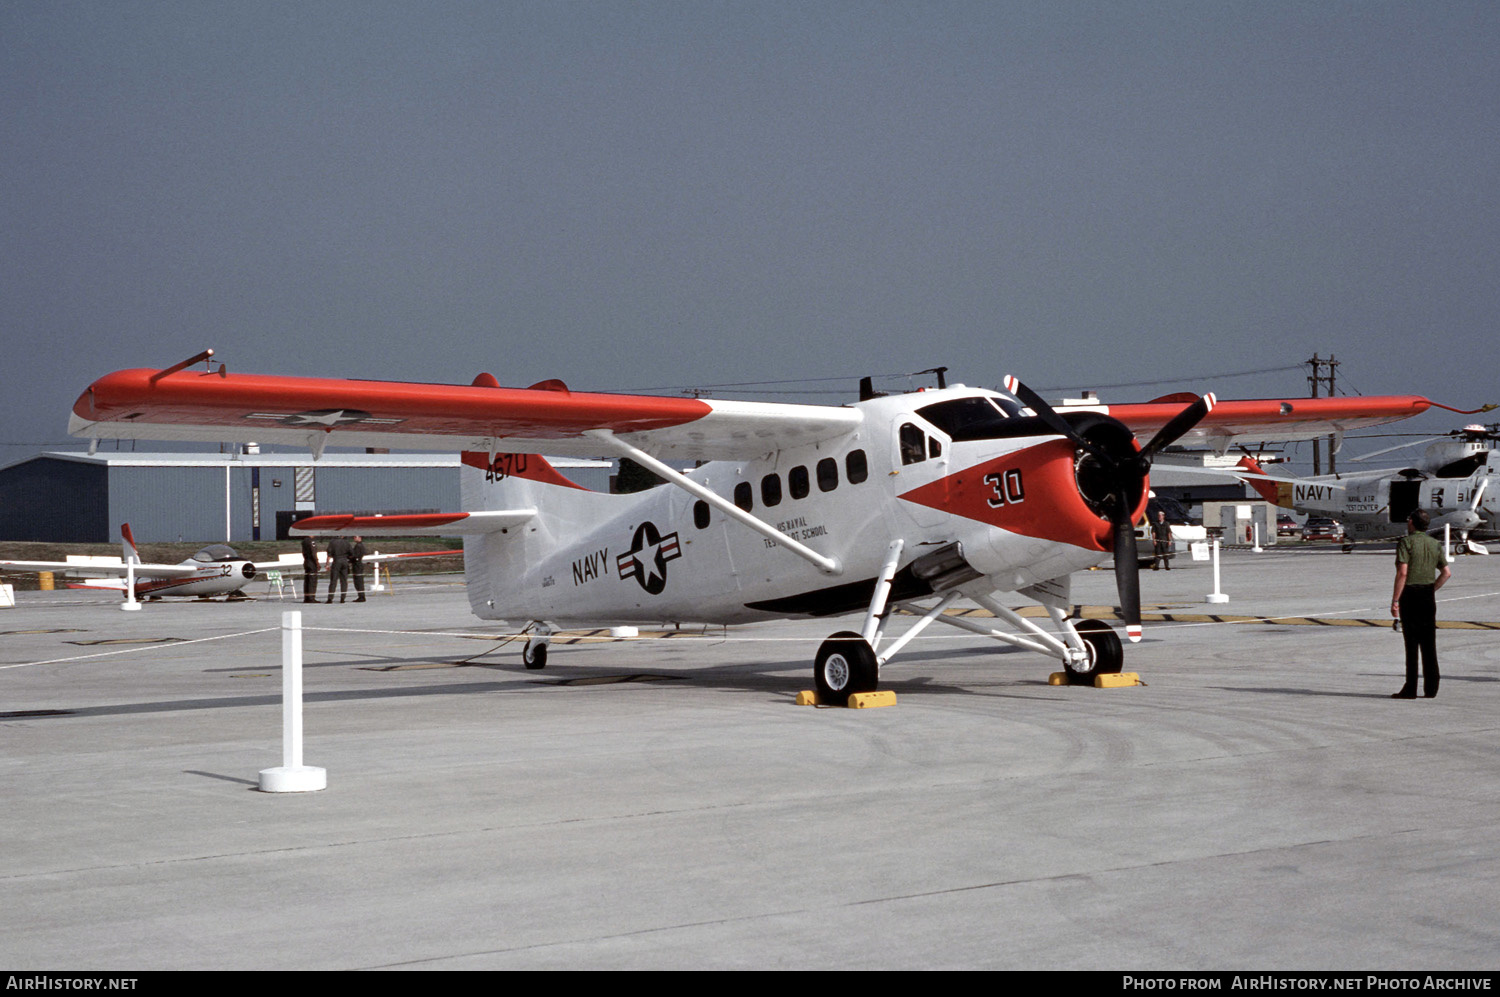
(1257, 419)
(291, 564)
(546, 418)
(376, 558)
(105, 569)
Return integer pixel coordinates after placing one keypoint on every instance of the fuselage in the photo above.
(977, 492)
(215, 570)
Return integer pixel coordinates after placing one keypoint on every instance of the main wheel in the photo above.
(534, 654)
(1106, 653)
(845, 665)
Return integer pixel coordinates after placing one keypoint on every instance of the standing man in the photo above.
(309, 570)
(1161, 534)
(357, 563)
(1421, 569)
(338, 567)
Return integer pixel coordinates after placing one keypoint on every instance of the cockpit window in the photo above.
(214, 553)
(971, 418)
(913, 444)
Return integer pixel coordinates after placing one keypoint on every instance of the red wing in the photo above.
(199, 405)
(1274, 418)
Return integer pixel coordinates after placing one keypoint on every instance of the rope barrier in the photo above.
(723, 636)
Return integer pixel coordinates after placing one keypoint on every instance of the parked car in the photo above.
(1286, 526)
(1319, 528)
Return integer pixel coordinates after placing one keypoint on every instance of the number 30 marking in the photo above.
(1007, 488)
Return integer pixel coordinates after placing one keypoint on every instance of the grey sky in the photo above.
(654, 195)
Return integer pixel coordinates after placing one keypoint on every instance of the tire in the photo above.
(534, 655)
(1107, 654)
(845, 665)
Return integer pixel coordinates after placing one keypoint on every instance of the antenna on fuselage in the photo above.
(941, 372)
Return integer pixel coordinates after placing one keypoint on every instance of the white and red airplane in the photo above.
(907, 501)
(217, 569)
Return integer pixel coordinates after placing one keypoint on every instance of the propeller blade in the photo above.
(1128, 576)
(1479, 492)
(1049, 415)
(1178, 425)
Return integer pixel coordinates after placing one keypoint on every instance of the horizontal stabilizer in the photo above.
(438, 524)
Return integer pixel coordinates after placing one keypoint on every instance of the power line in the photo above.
(752, 384)
(765, 390)
(1179, 380)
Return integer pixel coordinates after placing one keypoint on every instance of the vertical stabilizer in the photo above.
(128, 553)
(498, 566)
(1275, 492)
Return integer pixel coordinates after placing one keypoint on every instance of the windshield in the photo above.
(214, 553)
(972, 418)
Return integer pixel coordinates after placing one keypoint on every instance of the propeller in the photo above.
(1399, 446)
(1114, 483)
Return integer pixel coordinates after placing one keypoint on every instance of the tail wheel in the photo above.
(534, 654)
(1106, 653)
(845, 665)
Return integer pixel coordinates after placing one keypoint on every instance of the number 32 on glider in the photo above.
(909, 501)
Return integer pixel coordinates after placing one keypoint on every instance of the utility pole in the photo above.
(1316, 378)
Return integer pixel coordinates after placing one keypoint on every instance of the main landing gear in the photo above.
(845, 666)
(1106, 653)
(849, 662)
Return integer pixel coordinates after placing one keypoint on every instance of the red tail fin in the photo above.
(127, 545)
(1260, 481)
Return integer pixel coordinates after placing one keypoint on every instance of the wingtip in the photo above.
(1134, 633)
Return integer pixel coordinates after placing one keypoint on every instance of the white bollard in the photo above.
(1447, 541)
(1257, 548)
(130, 605)
(1216, 595)
(292, 776)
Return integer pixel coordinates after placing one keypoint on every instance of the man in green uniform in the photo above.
(1161, 537)
(1421, 569)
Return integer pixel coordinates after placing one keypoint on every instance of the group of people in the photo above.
(344, 559)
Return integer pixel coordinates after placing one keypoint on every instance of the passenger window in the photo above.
(700, 514)
(770, 489)
(828, 474)
(913, 444)
(934, 448)
(856, 468)
(797, 482)
(742, 496)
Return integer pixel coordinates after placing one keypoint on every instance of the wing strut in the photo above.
(619, 446)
